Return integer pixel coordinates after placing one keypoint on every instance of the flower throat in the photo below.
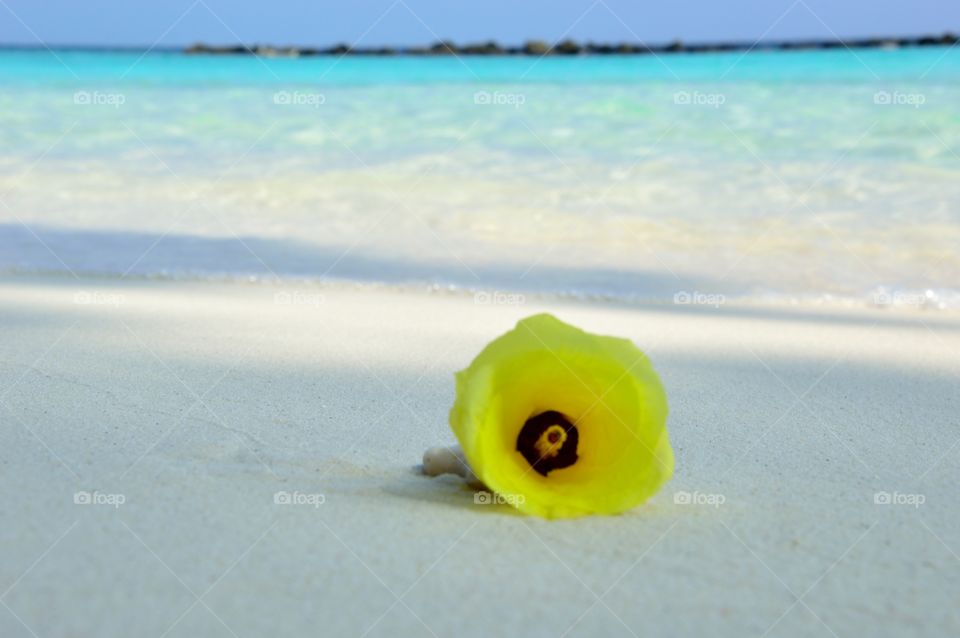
(548, 441)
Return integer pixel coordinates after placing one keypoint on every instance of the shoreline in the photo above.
(932, 303)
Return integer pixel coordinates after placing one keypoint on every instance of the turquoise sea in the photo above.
(785, 175)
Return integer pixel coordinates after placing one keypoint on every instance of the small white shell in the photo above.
(449, 460)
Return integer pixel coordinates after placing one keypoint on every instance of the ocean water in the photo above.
(785, 175)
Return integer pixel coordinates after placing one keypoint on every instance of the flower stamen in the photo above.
(548, 441)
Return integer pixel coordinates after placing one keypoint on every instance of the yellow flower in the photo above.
(563, 423)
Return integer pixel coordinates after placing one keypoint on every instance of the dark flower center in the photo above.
(548, 441)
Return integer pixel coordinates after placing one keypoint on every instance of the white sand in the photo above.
(196, 403)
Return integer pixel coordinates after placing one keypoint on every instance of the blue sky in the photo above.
(404, 22)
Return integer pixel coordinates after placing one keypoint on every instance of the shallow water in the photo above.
(784, 174)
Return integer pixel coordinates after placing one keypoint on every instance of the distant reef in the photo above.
(570, 47)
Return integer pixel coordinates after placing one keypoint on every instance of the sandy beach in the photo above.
(253, 258)
(224, 459)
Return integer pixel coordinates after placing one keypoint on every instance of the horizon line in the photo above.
(494, 47)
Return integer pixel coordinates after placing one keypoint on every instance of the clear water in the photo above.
(786, 174)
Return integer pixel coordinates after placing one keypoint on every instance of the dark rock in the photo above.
(536, 47)
(634, 49)
(444, 48)
(724, 47)
(800, 45)
(873, 43)
(947, 39)
(205, 49)
(567, 47)
(623, 48)
(598, 49)
(674, 47)
(487, 48)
